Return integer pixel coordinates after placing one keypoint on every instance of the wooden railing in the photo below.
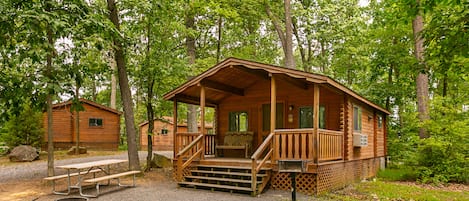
(266, 146)
(182, 140)
(298, 144)
(330, 145)
(210, 144)
(190, 152)
(294, 144)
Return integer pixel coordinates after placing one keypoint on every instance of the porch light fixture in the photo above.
(290, 108)
(370, 117)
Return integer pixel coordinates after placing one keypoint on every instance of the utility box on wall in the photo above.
(360, 140)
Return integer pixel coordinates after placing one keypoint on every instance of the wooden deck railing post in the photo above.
(273, 103)
(316, 123)
(175, 128)
(202, 118)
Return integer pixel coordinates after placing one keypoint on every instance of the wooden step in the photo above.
(227, 173)
(216, 186)
(222, 179)
(231, 167)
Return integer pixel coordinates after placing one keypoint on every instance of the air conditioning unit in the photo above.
(360, 140)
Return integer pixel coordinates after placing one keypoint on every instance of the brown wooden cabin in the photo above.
(277, 105)
(99, 126)
(163, 137)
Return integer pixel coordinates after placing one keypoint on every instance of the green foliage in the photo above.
(403, 173)
(24, 129)
(444, 157)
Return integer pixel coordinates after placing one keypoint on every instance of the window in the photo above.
(380, 121)
(306, 117)
(95, 122)
(238, 121)
(164, 131)
(357, 119)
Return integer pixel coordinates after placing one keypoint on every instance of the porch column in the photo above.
(202, 118)
(273, 103)
(316, 123)
(175, 128)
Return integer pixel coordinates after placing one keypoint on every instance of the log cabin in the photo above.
(99, 127)
(163, 137)
(306, 129)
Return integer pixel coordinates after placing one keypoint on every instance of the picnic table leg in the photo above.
(68, 186)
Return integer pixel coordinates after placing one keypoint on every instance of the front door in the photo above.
(264, 128)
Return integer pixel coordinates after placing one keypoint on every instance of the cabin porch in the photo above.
(298, 122)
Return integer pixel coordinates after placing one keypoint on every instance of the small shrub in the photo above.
(24, 129)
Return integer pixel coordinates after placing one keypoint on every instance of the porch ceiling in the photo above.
(233, 76)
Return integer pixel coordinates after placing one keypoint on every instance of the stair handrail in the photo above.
(257, 154)
(180, 165)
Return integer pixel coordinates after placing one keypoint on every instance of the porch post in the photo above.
(273, 103)
(202, 118)
(316, 123)
(175, 128)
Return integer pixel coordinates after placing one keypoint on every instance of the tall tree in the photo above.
(422, 69)
(284, 36)
(126, 95)
(289, 59)
(191, 55)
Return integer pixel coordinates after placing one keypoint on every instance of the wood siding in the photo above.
(289, 95)
(105, 137)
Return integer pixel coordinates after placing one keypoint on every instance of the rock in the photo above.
(23, 153)
(161, 161)
(81, 150)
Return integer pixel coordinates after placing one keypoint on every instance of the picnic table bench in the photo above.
(90, 167)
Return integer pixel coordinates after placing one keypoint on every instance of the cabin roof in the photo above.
(94, 104)
(233, 75)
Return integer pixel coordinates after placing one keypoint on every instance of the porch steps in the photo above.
(233, 179)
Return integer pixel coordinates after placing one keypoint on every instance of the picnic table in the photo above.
(80, 170)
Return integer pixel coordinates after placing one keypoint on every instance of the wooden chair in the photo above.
(237, 141)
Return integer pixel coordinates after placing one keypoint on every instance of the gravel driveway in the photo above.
(149, 188)
(34, 170)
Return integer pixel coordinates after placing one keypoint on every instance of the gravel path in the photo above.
(34, 170)
(157, 185)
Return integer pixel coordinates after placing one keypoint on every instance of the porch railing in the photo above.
(298, 144)
(330, 145)
(210, 144)
(264, 154)
(190, 152)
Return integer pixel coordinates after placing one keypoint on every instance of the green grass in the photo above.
(397, 174)
(384, 190)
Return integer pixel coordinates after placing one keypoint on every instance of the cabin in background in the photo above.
(302, 125)
(163, 137)
(99, 126)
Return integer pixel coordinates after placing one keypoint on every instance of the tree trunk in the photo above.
(77, 120)
(126, 95)
(151, 117)
(190, 43)
(150, 113)
(304, 60)
(220, 26)
(50, 133)
(112, 62)
(289, 59)
(422, 77)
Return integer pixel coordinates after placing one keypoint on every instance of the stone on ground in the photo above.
(161, 161)
(23, 153)
(81, 150)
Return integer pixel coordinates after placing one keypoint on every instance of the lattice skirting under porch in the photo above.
(328, 177)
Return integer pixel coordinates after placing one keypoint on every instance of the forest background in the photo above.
(409, 56)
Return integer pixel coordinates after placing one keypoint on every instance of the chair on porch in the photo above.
(238, 140)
